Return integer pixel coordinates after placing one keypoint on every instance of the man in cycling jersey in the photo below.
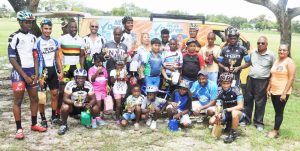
(94, 43)
(79, 95)
(49, 66)
(72, 48)
(231, 56)
(23, 58)
(233, 103)
(128, 36)
(193, 32)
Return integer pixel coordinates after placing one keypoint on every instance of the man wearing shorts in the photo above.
(204, 93)
(25, 69)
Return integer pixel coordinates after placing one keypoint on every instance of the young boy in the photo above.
(192, 62)
(152, 106)
(153, 64)
(172, 61)
(233, 103)
(180, 104)
(133, 107)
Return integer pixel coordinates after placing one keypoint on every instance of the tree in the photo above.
(237, 21)
(283, 15)
(31, 5)
(176, 12)
(131, 10)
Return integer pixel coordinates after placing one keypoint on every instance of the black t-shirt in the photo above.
(191, 65)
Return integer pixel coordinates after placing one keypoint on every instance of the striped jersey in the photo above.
(71, 47)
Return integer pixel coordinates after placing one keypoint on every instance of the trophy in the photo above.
(231, 61)
(118, 73)
(106, 53)
(87, 51)
(44, 76)
(79, 101)
(217, 129)
(130, 107)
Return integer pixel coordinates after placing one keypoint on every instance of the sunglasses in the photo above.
(28, 21)
(261, 43)
(94, 26)
(282, 50)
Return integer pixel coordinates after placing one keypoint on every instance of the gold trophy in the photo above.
(217, 129)
(231, 61)
(130, 107)
(106, 53)
(118, 73)
(79, 101)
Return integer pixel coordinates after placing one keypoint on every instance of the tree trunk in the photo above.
(284, 28)
(30, 5)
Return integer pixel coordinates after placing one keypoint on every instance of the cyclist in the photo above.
(232, 55)
(128, 36)
(49, 64)
(79, 95)
(233, 102)
(72, 48)
(193, 32)
(25, 70)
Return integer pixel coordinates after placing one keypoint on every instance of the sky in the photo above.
(226, 7)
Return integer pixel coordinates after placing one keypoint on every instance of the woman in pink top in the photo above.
(98, 77)
(280, 85)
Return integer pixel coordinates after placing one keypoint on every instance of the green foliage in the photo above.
(296, 26)
(5, 12)
(237, 21)
(129, 9)
(176, 12)
(218, 18)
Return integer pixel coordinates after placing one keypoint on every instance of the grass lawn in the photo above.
(195, 138)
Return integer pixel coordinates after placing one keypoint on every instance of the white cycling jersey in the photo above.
(20, 46)
(46, 50)
(77, 92)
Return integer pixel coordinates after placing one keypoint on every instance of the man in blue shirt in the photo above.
(204, 93)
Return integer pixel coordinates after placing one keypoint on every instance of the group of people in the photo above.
(85, 73)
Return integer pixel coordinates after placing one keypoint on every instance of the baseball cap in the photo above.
(202, 72)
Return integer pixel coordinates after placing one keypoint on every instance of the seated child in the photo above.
(180, 104)
(152, 106)
(133, 107)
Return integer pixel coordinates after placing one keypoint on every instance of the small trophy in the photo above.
(231, 61)
(106, 53)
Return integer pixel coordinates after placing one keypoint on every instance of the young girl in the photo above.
(118, 77)
(98, 77)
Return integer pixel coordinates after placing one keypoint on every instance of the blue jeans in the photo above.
(129, 116)
(154, 81)
(213, 76)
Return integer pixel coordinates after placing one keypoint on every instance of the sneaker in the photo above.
(100, 121)
(62, 130)
(118, 122)
(136, 126)
(210, 126)
(38, 128)
(231, 137)
(56, 121)
(260, 128)
(19, 134)
(44, 123)
(243, 124)
(153, 125)
(148, 123)
(94, 123)
(200, 119)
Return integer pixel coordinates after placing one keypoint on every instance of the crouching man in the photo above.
(78, 96)
(233, 103)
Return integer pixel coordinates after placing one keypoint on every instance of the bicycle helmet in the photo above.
(193, 26)
(25, 15)
(126, 18)
(233, 32)
(80, 72)
(46, 22)
(184, 84)
(151, 89)
(228, 29)
(226, 76)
